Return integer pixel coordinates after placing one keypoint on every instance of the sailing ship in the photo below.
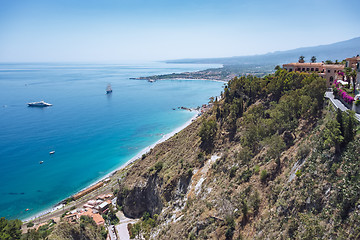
(108, 89)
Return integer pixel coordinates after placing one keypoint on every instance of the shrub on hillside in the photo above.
(158, 166)
(207, 134)
(263, 176)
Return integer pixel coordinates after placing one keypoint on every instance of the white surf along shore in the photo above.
(136, 157)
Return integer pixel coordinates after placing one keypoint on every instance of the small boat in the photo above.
(27, 209)
(52, 152)
(39, 104)
(108, 89)
(41, 162)
(151, 80)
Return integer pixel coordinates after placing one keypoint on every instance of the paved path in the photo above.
(121, 228)
(338, 104)
(112, 233)
(123, 231)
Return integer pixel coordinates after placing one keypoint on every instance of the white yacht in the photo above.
(39, 104)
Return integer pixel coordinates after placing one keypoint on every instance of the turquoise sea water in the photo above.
(91, 132)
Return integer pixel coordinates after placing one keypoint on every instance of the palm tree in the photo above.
(301, 59)
(313, 59)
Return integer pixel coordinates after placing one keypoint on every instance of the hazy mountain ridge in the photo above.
(338, 50)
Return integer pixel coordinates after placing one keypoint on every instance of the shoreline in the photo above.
(194, 79)
(138, 156)
(182, 79)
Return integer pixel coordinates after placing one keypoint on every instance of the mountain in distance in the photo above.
(334, 51)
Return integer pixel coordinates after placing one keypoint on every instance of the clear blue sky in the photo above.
(136, 30)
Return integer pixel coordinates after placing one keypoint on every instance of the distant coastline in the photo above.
(223, 74)
(181, 79)
(216, 74)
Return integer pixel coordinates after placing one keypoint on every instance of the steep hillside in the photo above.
(263, 163)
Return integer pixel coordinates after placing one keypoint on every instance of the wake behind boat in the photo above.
(39, 104)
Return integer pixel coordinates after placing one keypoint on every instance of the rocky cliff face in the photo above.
(178, 187)
(149, 194)
(147, 187)
(143, 197)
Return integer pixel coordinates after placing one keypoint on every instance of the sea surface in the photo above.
(92, 133)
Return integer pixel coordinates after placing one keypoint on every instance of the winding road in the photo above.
(338, 104)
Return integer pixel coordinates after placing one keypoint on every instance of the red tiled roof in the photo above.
(353, 58)
(305, 64)
(99, 220)
(319, 65)
(340, 66)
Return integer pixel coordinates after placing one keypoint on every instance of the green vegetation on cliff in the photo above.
(86, 229)
(268, 161)
(10, 229)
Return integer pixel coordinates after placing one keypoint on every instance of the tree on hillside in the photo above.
(339, 118)
(347, 72)
(207, 134)
(301, 59)
(316, 90)
(10, 229)
(350, 126)
(332, 135)
(353, 74)
(313, 59)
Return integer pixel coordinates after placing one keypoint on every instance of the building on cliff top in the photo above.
(330, 72)
(354, 63)
(327, 71)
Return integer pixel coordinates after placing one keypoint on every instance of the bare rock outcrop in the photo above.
(147, 195)
(143, 197)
